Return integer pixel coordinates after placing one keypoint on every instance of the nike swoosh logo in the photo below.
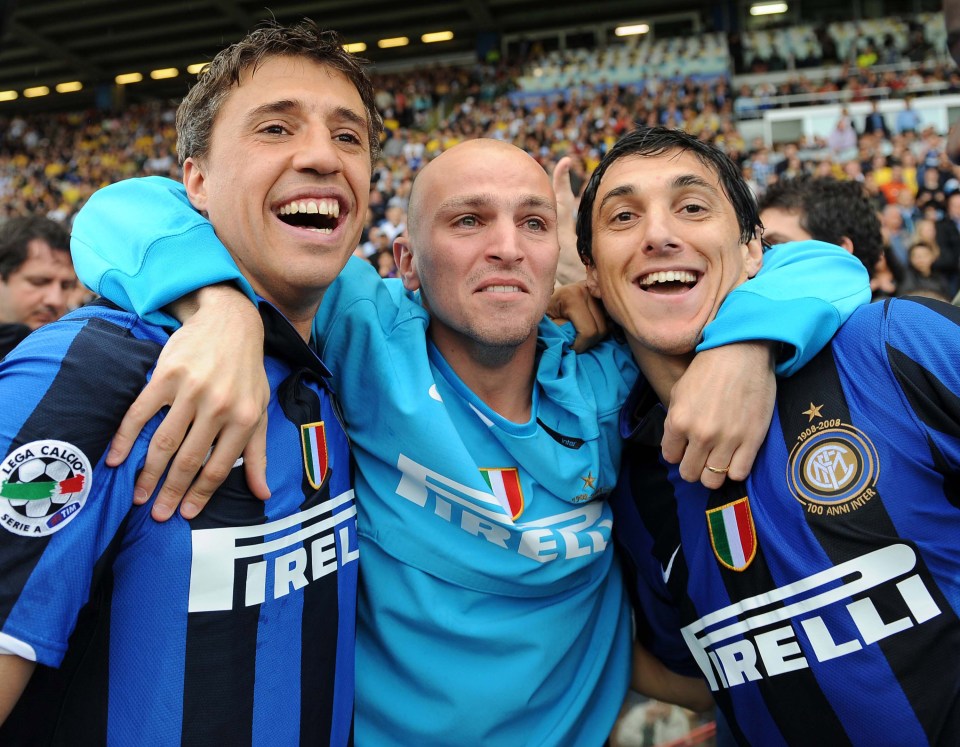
(434, 394)
(666, 571)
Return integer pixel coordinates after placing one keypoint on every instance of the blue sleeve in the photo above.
(800, 297)
(49, 546)
(141, 244)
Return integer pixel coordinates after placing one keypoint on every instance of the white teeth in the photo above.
(668, 276)
(311, 207)
(502, 289)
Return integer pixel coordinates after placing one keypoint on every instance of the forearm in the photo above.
(653, 679)
(15, 672)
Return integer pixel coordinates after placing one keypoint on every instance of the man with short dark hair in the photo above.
(818, 599)
(824, 209)
(36, 277)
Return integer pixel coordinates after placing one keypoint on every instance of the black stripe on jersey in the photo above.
(935, 405)
(82, 407)
(69, 705)
(946, 310)
(791, 712)
(847, 536)
(653, 497)
(318, 657)
(221, 647)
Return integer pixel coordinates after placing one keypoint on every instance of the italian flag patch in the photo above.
(314, 453)
(505, 484)
(732, 534)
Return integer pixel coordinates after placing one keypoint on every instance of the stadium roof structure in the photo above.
(48, 43)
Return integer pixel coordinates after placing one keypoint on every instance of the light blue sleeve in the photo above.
(801, 296)
(141, 244)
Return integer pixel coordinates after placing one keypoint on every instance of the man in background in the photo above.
(36, 277)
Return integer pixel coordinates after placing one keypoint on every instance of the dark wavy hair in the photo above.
(829, 209)
(655, 141)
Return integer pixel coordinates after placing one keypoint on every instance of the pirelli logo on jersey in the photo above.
(582, 531)
(274, 559)
(809, 620)
(833, 467)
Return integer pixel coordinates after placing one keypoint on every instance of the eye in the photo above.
(349, 137)
(692, 209)
(274, 129)
(623, 216)
(536, 224)
(468, 221)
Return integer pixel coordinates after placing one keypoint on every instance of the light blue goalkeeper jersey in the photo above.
(491, 609)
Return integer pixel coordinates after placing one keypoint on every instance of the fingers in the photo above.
(255, 462)
(150, 401)
(561, 176)
(164, 444)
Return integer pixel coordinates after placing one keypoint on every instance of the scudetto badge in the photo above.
(43, 485)
(833, 470)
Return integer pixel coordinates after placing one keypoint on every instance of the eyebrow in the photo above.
(287, 106)
(475, 201)
(681, 182)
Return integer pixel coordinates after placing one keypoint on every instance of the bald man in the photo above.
(491, 611)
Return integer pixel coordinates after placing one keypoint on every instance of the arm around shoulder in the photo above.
(803, 293)
(130, 242)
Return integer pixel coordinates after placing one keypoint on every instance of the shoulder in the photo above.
(76, 377)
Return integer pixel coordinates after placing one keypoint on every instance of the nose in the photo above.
(55, 298)
(660, 235)
(506, 244)
(317, 151)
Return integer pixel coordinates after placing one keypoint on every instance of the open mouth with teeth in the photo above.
(668, 281)
(321, 215)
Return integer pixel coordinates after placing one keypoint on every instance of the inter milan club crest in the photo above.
(43, 485)
(833, 467)
(314, 440)
(733, 535)
(505, 484)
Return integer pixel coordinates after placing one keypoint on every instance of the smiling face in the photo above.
(667, 250)
(483, 246)
(286, 179)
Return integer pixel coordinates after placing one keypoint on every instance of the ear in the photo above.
(195, 183)
(406, 268)
(846, 243)
(593, 283)
(753, 255)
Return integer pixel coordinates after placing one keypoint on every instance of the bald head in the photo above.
(458, 165)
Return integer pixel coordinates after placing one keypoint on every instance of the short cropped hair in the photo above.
(829, 209)
(199, 108)
(655, 141)
(16, 235)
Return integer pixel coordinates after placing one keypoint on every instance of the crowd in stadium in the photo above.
(49, 165)
(578, 103)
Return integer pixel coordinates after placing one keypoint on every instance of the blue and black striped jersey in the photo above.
(820, 598)
(237, 627)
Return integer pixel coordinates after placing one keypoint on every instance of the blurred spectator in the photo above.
(920, 275)
(948, 238)
(875, 122)
(36, 276)
(842, 140)
(825, 209)
(894, 232)
(394, 223)
(907, 119)
(377, 241)
(385, 264)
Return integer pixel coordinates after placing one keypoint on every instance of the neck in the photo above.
(502, 377)
(660, 370)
